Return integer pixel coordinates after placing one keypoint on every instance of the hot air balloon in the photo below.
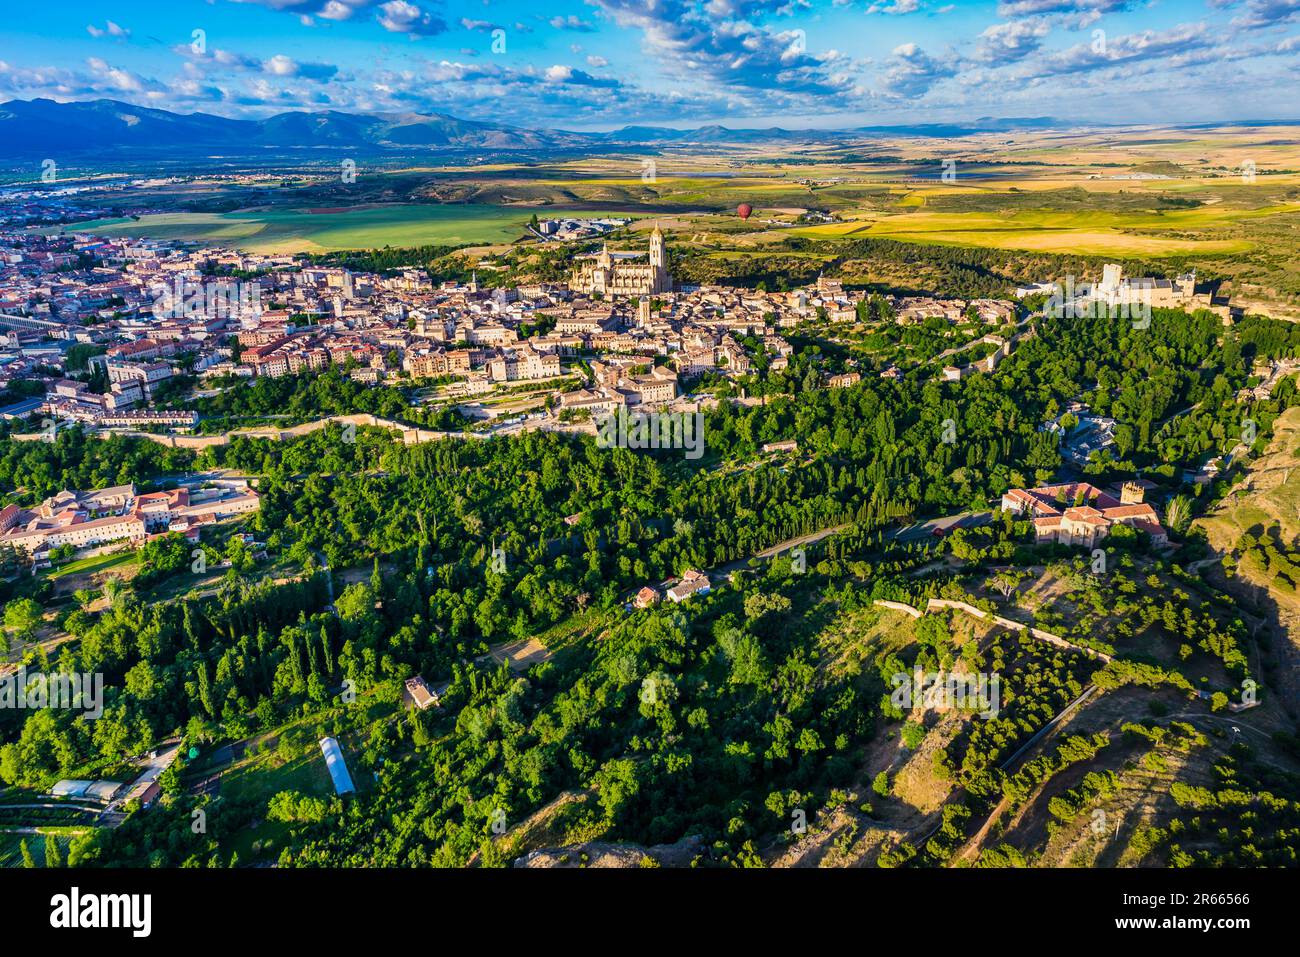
(744, 209)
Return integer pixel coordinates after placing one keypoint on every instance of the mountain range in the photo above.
(46, 127)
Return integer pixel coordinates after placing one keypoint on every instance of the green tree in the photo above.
(1178, 514)
(913, 734)
(880, 784)
(22, 617)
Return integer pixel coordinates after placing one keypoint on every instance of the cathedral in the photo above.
(608, 276)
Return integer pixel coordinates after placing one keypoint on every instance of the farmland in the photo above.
(1224, 201)
(328, 229)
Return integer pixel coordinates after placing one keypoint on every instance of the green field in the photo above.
(1099, 232)
(332, 228)
(97, 563)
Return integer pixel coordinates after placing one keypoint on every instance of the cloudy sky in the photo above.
(597, 64)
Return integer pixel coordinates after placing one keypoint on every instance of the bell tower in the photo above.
(659, 261)
(1131, 493)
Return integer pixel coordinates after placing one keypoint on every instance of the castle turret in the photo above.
(1111, 276)
(1131, 493)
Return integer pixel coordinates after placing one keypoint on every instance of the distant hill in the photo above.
(43, 127)
(985, 124)
(719, 135)
(29, 127)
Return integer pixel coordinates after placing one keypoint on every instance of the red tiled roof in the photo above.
(1130, 511)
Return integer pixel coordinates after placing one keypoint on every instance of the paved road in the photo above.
(54, 807)
(926, 529)
(808, 539)
(920, 530)
(1181, 412)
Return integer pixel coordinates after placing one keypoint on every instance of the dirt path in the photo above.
(522, 654)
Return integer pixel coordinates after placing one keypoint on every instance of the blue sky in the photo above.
(598, 64)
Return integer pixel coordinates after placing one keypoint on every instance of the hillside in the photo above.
(1255, 529)
(1267, 496)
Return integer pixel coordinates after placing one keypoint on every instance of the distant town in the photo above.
(142, 315)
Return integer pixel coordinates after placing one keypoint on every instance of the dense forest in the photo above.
(313, 395)
(717, 720)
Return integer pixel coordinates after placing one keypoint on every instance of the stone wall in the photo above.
(940, 604)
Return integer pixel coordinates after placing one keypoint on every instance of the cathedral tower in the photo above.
(657, 259)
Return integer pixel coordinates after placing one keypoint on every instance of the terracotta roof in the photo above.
(1130, 511)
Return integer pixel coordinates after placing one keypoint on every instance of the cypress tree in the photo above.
(52, 856)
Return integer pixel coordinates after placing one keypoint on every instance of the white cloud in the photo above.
(399, 16)
(110, 29)
(895, 7)
(911, 72)
(571, 23)
(1014, 40)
